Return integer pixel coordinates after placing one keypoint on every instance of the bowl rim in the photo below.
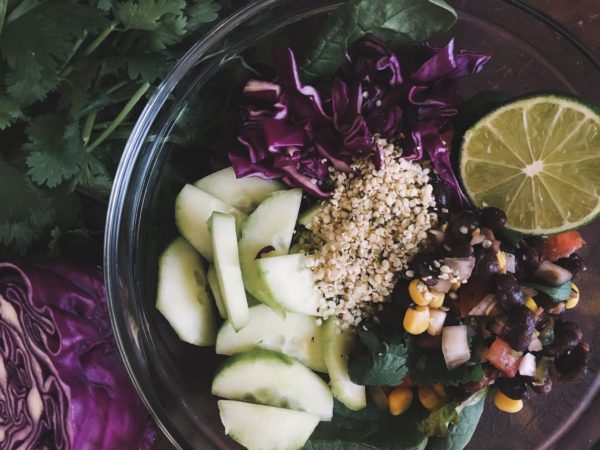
(132, 151)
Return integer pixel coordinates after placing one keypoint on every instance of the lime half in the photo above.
(538, 159)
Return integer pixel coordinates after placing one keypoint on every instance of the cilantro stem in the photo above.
(120, 117)
(87, 127)
(3, 7)
(100, 39)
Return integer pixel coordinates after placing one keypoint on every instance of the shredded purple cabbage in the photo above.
(62, 382)
(297, 132)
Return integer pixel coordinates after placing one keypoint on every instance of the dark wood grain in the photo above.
(580, 17)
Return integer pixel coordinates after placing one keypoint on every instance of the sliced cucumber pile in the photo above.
(244, 228)
(271, 378)
(183, 297)
(244, 194)
(260, 427)
(271, 225)
(336, 346)
(296, 335)
(290, 283)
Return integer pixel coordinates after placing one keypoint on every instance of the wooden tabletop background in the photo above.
(582, 19)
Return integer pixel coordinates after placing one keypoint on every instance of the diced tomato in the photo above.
(503, 357)
(471, 294)
(562, 245)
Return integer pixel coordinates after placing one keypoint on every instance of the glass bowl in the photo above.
(530, 53)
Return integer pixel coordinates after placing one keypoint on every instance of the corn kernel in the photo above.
(399, 400)
(439, 390)
(574, 297)
(417, 291)
(501, 257)
(531, 304)
(416, 320)
(438, 299)
(507, 404)
(455, 286)
(429, 398)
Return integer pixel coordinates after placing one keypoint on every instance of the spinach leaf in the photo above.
(429, 367)
(460, 436)
(414, 20)
(379, 360)
(446, 420)
(557, 294)
(369, 429)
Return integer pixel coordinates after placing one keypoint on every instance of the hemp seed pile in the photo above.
(367, 232)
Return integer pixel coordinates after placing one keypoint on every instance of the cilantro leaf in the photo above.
(26, 210)
(379, 360)
(445, 420)
(9, 111)
(55, 152)
(36, 58)
(147, 14)
(428, 367)
(201, 12)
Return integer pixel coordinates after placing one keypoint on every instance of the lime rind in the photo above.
(538, 158)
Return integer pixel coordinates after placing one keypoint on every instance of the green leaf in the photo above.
(147, 67)
(55, 154)
(461, 435)
(9, 111)
(557, 294)
(94, 177)
(40, 42)
(26, 210)
(147, 14)
(201, 12)
(104, 5)
(415, 20)
(379, 360)
(428, 367)
(445, 420)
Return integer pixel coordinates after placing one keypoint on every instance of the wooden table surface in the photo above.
(582, 19)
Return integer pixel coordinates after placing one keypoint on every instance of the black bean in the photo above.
(460, 249)
(574, 363)
(514, 388)
(453, 318)
(573, 264)
(423, 265)
(519, 328)
(508, 291)
(442, 195)
(566, 336)
(463, 224)
(492, 218)
(486, 263)
(429, 342)
(544, 388)
(528, 256)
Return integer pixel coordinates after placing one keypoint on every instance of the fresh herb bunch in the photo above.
(74, 76)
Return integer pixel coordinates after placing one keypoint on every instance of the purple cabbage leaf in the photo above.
(62, 382)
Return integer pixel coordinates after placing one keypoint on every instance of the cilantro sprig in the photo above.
(73, 76)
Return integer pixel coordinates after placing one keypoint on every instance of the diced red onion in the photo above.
(553, 273)
(527, 365)
(455, 346)
(462, 267)
(485, 306)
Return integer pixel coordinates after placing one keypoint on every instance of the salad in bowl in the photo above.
(378, 260)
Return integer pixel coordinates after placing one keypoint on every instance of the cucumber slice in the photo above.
(307, 216)
(244, 194)
(290, 283)
(213, 283)
(296, 335)
(260, 427)
(270, 225)
(336, 347)
(182, 296)
(227, 265)
(271, 378)
(193, 208)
